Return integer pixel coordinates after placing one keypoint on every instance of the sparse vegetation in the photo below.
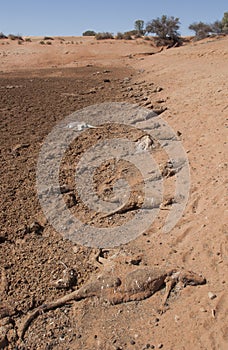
(119, 36)
(124, 36)
(203, 30)
(104, 35)
(166, 28)
(42, 42)
(3, 36)
(15, 37)
(28, 40)
(89, 33)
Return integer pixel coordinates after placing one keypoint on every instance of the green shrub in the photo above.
(104, 35)
(89, 33)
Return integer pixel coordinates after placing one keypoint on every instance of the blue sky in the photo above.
(72, 17)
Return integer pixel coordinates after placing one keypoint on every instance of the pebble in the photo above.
(211, 295)
(203, 310)
(36, 228)
(3, 237)
(160, 346)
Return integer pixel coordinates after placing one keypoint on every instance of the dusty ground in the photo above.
(39, 86)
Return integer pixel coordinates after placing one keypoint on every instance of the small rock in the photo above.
(211, 295)
(107, 81)
(136, 261)
(203, 310)
(3, 338)
(92, 91)
(147, 103)
(36, 228)
(17, 148)
(144, 143)
(71, 200)
(157, 89)
(160, 110)
(176, 318)
(132, 342)
(68, 280)
(11, 335)
(3, 237)
(160, 346)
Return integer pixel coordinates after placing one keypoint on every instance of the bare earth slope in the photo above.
(39, 86)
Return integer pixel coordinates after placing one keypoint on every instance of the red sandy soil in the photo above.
(42, 84)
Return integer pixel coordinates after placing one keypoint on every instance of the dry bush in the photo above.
(124, 36)
(15, 37)
(48, 38)
(104, 35)
(3, 36)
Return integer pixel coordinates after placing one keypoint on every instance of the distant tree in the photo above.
(201, 29)
(225, 23)
(166, 29)
(139, 26)
(89, 33)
